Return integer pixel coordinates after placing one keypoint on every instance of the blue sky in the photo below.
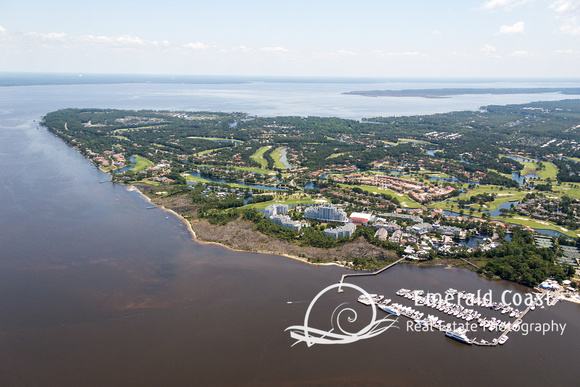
(378, 38)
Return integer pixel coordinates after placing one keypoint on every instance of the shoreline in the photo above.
(194, 236)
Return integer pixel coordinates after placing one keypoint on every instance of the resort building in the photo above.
(396, 237)
(326, 212)
(342, 231)
(285, 221)
(382, 234)
(404, 217)
(420, 228)
(360, 218)
(275, 209)
(390, 227)
(448, 230)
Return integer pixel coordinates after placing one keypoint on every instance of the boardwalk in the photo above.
(367, 274)
(472, 264)
(519, 319)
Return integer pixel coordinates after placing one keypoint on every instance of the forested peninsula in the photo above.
(496, 190)
(449, 92)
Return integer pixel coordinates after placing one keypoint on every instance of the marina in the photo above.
(465, 317)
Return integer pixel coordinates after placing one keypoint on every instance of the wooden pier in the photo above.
(519, 319)
(472, 264)
(445, 327)
(367, 274)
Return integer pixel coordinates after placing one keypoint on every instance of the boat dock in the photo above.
(455, 310)
(517, 322)
(367, 274)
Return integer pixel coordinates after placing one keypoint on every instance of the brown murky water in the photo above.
(97, 290)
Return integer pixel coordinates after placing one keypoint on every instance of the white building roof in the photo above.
(361, 215)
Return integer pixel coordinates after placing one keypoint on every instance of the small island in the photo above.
(449, 92)
(496, 191)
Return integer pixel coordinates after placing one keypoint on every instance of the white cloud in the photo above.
(196, 46)
(2, 30)
(346, 52)
(398, 54)
(569, 12)
(565, 52)
(275, 49)
(162, 43)
(492, 5)
(515, 29)
(49, 36)
(488, 49)
(521, 54)
(436, 32)
(242, 49)
(126, 39)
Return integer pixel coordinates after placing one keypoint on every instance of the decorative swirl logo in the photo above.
(338, 335)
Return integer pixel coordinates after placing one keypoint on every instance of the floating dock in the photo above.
(458, 311)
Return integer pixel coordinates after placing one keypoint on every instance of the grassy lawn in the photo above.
(290, 202)
(430, 174)
(205, 152)
(503, 196)
(570, 189)
(196, 179)
(276, 156)
(259, 156)
(150, 182)
(142, 163)
(138, 128)
(256, 170)
(335, 155)
(403, 140)
(412, 140)
(524, 221)
(190, 178)
(247, 169)
(550, 170)
(404, 200)
(218, 139)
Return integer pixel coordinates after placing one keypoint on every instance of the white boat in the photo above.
(390, 309)
(458, 335)
(503, 339)
(364, 299)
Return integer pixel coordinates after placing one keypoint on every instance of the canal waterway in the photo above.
(96, 290)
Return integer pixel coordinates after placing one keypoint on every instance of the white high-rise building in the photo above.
(326, 212)
(275, 209)
(342, 231)
(285, 221)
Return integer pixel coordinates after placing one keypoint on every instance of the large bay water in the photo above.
(97, 290)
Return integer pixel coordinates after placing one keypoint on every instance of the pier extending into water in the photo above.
(519, 319)
(367, 274)
(472, 264)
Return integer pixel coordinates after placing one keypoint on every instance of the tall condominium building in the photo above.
(285, 221)
(326, 212)
(342, 231)
(275, 209)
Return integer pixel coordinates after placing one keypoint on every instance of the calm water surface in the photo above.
(96, 290)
